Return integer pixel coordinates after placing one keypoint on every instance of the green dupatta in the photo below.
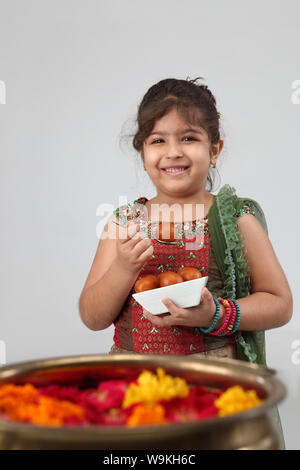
(227, 243)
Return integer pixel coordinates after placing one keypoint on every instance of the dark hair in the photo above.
(194, 102)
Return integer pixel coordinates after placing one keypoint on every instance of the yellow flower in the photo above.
(152, 388)
(235, 399)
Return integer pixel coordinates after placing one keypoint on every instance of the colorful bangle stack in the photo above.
(237, 319)
(232, 318)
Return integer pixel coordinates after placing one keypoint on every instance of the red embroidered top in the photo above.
(133, 331)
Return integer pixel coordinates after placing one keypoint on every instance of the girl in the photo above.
(178, 139)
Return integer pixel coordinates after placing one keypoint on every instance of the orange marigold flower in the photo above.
(51, 411)
(142, 414)
(23, 403)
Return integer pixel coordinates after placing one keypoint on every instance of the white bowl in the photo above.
(184, 294)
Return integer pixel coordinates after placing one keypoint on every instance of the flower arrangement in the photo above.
(151, 399)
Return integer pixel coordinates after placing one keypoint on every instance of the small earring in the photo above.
(213, 165)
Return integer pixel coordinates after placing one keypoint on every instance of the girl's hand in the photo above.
(201, 315)
(134, 248)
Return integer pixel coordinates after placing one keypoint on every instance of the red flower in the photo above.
(103, 406)
(199, 404)
(60, 392)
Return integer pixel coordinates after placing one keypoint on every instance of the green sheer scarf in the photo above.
(227, 243)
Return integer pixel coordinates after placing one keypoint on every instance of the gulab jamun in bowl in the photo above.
(183, 287)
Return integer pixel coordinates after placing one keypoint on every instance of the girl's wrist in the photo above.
(221, 318)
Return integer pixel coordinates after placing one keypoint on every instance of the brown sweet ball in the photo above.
(146, 283)
(188, 273)
(168, 278)
(166, 231)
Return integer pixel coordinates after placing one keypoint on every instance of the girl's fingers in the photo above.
(124, 233)
(128, 231)
(163, 319)
(160, 320)
(172, 308)
(132, 230)
(208, 294)
(205, 294)
(139, 240)
(140, 243)
(146, 254)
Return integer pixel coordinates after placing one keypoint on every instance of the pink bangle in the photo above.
(229, 328)
(227, 306)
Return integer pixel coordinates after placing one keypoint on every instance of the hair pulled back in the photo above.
(194, 102)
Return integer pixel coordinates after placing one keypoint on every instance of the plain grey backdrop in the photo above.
(74, 72)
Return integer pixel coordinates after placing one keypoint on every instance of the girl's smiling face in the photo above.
(174, 143)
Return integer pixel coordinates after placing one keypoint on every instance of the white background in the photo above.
(74, 73)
